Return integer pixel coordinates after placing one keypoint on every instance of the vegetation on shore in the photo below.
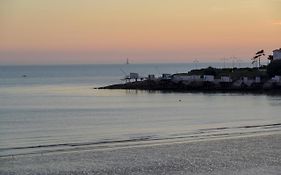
(233, 73)
(274, 68)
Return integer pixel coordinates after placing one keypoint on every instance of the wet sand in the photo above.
(242, 155)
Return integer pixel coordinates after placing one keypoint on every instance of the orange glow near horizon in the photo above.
(92, 31)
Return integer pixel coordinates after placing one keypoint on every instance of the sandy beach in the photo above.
(241, 155)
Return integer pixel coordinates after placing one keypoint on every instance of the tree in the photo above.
(210, 71)
(274, 68)
(257, 58)
(270, 57)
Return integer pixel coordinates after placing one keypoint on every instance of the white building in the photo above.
(277, 54)
(181, 77)
(185, 77)
(166, 76)
(276, 79)
(151, 77)
(247, 81)
(134, 76)
(195, 77)
(209, 78)
(226, 79)
(244, 79)
(257, 79)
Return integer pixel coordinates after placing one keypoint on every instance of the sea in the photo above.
(57, 108)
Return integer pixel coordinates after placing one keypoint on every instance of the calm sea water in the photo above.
(55, 108)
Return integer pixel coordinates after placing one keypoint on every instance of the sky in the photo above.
(145, 31)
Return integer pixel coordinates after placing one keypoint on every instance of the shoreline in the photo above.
(253, 80)
(258, 154)
(191, 137)
(206, 87)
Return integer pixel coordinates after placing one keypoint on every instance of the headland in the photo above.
(256, 80)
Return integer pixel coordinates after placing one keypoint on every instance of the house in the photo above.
(184, 77)
(277, 54)
(134, 76)
(276, 79)
(257, 79)
(151, 77)
(209, 78)
(181, 77)
(166, 76)
(195, 77)
(247, 81)
(244, 79)
(225, 79)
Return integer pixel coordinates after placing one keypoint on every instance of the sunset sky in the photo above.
(109, 31)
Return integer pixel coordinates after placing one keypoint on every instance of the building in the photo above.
(181, 77)
(196, 77)
(185, 77)
(166, 76)
(247, 81)
(257, 79)
(244, 79)
(277, 54)
(134, 76)
(209, 78)
(276, 79)
(151, 77)
(225, 79)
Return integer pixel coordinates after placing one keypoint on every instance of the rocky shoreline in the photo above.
(265, 79)
(197, 86)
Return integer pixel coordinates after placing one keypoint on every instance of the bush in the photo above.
(210, 71)
(274, 68)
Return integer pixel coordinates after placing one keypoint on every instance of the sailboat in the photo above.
(127, 61)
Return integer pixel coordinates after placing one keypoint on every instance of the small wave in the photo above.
(136, 139)
(208, 133)
(261, 126)
(242, 127)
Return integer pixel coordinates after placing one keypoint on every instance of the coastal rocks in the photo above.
(209, 79)
(168, 85)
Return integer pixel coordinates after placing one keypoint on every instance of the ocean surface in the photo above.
(56, 108)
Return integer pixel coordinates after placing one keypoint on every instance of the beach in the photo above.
(259, 154)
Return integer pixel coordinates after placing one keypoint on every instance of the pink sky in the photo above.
(92, 31)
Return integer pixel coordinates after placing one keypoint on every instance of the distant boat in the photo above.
(127, 61)
(24, 75)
